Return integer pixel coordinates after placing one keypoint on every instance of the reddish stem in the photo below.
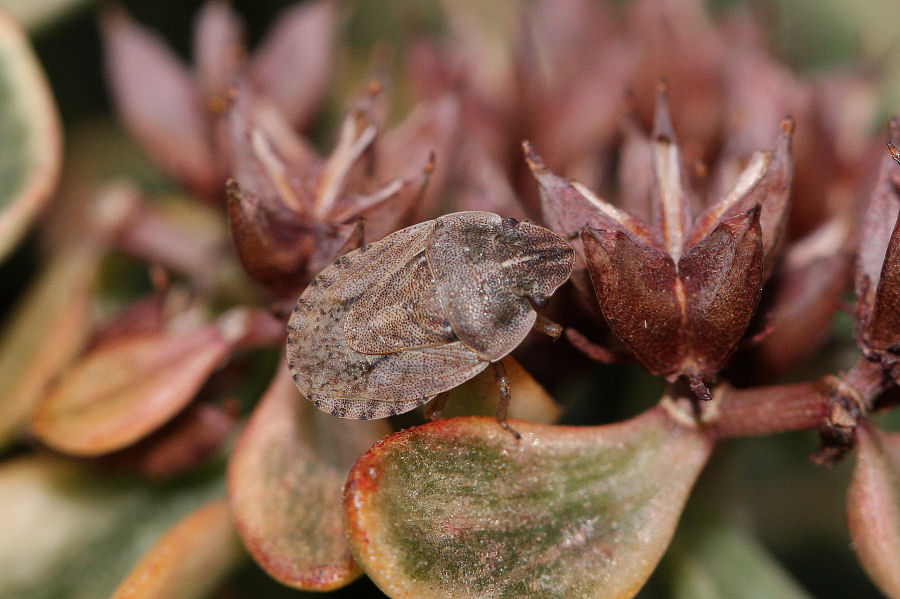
(768, 410)
(782, 408)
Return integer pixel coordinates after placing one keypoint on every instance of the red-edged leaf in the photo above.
(190, 561)
(32, 137)
(873, 507)
(47, 329)
(285, 481)
(459, 508)
(122, 391)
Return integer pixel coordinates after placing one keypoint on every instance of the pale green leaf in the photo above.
(724, 562)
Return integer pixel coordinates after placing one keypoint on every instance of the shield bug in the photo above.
(392, 325)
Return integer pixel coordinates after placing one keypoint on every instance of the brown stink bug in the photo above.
(394, 324)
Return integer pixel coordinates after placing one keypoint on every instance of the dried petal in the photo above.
(635, 172)
(460, 508)
(809, 284)
(191, 561)
(484, 185)
(351, 161)
(31, 152)
(635, 286)
(583, 115)
(669, 205)
(722, 281)
(766, 181)
(430, 129)
(293, 66)
(121, 392)
(159, 101)
(878, 257)
(218, 50)
(878, 225)
(285, 481)
(569, 206)
(883, 330)
(272, 242)
(873, 506)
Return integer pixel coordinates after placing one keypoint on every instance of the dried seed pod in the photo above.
(679, 289)
(391, 325)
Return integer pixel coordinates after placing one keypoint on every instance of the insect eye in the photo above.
(509, 223)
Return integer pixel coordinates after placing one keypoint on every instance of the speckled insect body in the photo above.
(391, 325)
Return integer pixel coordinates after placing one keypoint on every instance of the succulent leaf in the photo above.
(126, 389)
(285, 480)
(190, 561)
(31, 152)
(458, 508)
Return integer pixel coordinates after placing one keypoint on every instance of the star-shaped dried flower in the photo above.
(679, 290)
(291, 212)
(175, 112)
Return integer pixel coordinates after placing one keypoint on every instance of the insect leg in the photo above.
(547, 326)
(503, 383)
(434, 408)
(356, 239)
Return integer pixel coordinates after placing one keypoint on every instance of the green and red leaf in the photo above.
(459, 508)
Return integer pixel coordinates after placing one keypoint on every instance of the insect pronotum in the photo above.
(391, 325)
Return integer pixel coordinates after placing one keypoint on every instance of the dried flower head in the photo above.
(292, 213)
(678, 290)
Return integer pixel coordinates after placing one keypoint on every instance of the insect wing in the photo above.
(400, 312)
(351, 384)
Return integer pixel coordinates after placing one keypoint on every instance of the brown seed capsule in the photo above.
(391, 325)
